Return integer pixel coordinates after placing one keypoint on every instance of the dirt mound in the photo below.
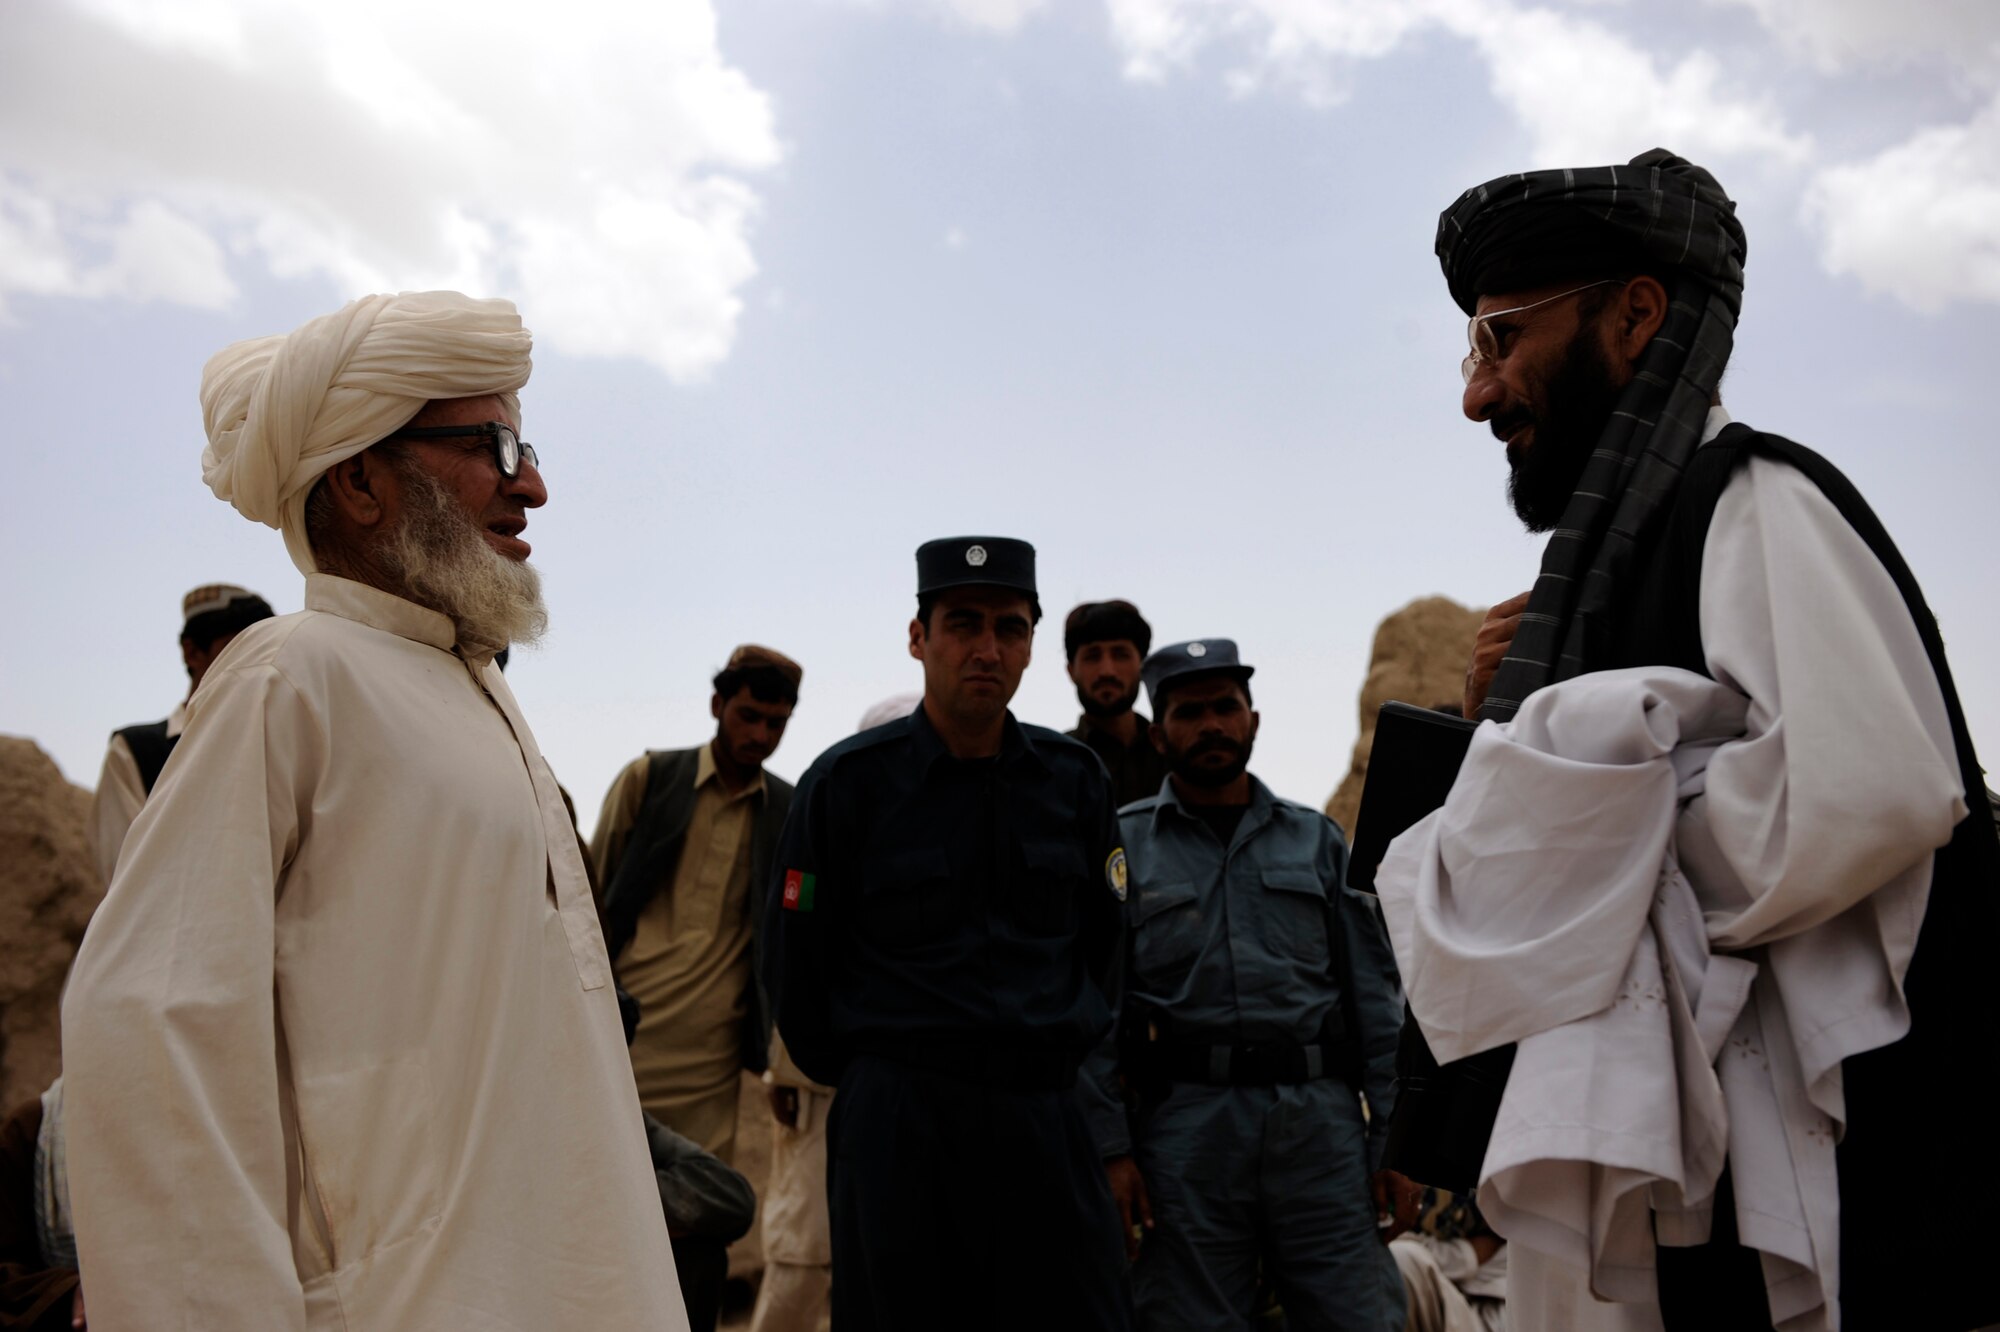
(1419, 657)
(48, 888)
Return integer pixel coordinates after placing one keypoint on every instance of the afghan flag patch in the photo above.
(798, 890)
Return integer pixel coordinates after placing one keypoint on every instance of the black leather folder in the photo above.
(1410, 772)
(1444, 1113)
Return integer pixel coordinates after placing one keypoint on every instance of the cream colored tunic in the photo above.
(340, 1046)
(120, 794)
(689, 961)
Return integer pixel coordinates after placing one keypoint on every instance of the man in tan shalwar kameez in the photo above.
(341, 1046)
(683, 853)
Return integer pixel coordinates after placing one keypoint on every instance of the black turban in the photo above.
(1658, 213)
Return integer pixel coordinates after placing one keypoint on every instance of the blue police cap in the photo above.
(1182, 661)
(976, 561)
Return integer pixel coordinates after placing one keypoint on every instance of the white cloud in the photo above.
(993, 15)
(1588, 95)
(1583, 92)
(594, 162)
(1919, 221)
(1840, 34)
(1305, 45)
(150, 252)
(997, 16)
(956, 239)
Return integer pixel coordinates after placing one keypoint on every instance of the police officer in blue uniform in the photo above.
(946, 909)
(1259, 1006)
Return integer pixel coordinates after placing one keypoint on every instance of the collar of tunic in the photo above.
(1015, 744)
(1255, 817)
(1101, 738)
(390, 613)
(705, 772)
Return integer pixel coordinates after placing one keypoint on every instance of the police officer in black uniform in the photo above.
(946, 903)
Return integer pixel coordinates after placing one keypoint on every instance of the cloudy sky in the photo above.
(1147, 282)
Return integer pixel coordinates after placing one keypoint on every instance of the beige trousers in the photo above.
(798, 1237)
(1435, 1302)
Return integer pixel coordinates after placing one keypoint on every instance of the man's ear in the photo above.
(917, 639)
(1158, 735)
(1640, 311)
(1255, 722)
(363, 489)
(715, 706)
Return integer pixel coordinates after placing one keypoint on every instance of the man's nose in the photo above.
(1484, 394)
(527, 486)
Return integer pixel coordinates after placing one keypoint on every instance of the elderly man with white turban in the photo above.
(340, 1046)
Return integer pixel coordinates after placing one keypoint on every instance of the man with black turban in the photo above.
(1713, 884)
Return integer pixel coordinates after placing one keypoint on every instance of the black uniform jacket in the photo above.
(920, 900)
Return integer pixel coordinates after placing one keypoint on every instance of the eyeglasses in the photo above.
(509, 450)
(1486, 345)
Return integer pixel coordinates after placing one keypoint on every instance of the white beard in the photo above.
(441, 558)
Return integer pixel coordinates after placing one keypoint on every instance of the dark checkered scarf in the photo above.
(1523, 231)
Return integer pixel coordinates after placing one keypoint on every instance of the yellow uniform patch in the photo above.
(1114, 873)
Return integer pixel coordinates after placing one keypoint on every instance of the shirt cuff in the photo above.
(1111, 1133)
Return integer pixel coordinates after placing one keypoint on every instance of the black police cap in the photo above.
(1198, 656)
(976, 561)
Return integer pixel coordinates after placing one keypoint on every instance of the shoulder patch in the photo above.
(1114, 873)
(798, 890)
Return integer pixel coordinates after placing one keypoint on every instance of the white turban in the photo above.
(282, 410)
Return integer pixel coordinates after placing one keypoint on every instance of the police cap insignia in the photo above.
(1199, 656)
(976, 561)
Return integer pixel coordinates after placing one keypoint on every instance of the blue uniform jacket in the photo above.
(922, 899)
(1247, 944)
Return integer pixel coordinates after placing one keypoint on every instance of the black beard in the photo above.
(1107, 711)
(1183, 765)
(1577, 402)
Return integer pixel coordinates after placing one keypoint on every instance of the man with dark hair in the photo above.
(1712, 903)
(1258, 1009)
(1105, 642)
(944, 909)
(211, 617)
(683, 846)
